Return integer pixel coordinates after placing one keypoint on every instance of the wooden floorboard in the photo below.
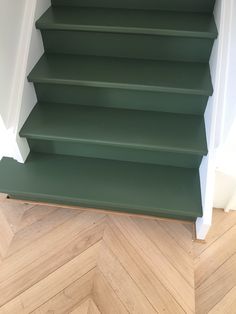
(215, 267)
(70, 260)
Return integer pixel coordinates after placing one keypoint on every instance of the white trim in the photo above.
(207, 179)
(225, 191)
(226, 153)
(225, 21)
(19, 147)
(231, 205)
(23, 97)
(21, 65)
(2, 138)
(214, 112)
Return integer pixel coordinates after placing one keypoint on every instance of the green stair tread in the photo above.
(117, 127)
(146, 75)
(124, 186)
(129, 21)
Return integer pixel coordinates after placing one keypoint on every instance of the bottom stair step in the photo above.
(135, 188)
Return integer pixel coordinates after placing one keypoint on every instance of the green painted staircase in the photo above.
(122, 88)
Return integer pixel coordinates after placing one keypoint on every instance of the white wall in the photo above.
(218, 169)
(229, 113)
(225, 183)
(225, 191)
(207, 168)
(11, 19)
(35, 51)
(21, 47)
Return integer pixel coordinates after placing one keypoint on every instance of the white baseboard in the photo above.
(202, 229)
(225, 191)
(207, 178)
(231, 205)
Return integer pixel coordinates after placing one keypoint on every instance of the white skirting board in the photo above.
(225, 191)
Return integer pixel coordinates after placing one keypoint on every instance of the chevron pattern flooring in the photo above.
(64, 260)
(215, 267)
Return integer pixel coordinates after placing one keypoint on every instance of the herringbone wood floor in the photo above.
(63, 260)
(215, 267)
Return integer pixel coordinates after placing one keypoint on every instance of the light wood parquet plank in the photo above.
(86, 307)
(55, 259)
(141, 273)
(13, 216)
(182, 236)
(36, 266)
(34, 214)
(60, 236)
(6, 235)
(105, 297)
(161, 266)
(215, 255)
(70, 296)
(10, 219)
(82, 308)
(217, 285)
(215, 266)
(40, 228)
(123, 284)
(227, 305)
(177, 256)
(93, 309)
(221, 223)
(45, 289)
(14, 264)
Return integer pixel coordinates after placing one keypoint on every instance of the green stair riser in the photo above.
(115, 153)
(128, 45)
(192, 78)
(109, 133)
(121, 98)
(170, 5)
(106, 184)
(149, 22)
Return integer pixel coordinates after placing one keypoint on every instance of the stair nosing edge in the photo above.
(128, 30)
(114, 144)
(149, 88)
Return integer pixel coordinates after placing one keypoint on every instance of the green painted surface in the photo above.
(122, 92)
(128, 33)
(122, 186)
(114, 153)
(121, 98)
(128, 45)
(129, 21)
(146, 75)
(138, 130)
(172, 5)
